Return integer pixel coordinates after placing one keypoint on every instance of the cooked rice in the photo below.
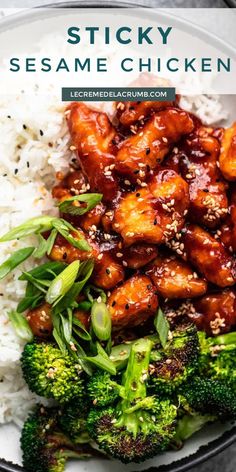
(29, 160)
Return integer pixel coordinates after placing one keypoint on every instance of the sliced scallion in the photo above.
(35, 225)
(62, 283)
(21, 326)
(162, 326)
(101, 321)
(14, 260)
(73, 207)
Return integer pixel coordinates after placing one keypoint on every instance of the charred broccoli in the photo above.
(137, 427)
(218, 357)
(170, 367)
(72, 420)
(45, 448)
(209, 396)
(102, 389)
(50, 373)
(188, 425)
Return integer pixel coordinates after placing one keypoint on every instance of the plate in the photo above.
(212, 439)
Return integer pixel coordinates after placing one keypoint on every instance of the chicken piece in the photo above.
(174, 278)
(130, 112)
(215, 313)
(227, 232)
(63, 251)
(92, 135)
(108, 271)
(92, 219)
(228, 153)
(198, 164)
(138, 255)
(40, 321)
(208, 255)
(73, 184)
(133, 302)
(143, 151)
(153, 214)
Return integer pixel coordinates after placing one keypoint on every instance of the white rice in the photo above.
(26, 194)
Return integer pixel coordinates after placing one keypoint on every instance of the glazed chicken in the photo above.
(142, 152)
(228, 153)
(133, 302)
(166, 225)
(93, 137)
(215, 313)
(174, 278)
(209, 256)
(153, 213)
(197, 160)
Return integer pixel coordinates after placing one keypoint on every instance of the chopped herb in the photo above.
(162, 326)
(14, 260)
(73, 207)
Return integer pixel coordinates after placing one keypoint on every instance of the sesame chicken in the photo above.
(92, 135)
(227, 232)
(155, 213)
(40, 320)
(133, 302)
(197, 158)
(209, 256)
(227, 158)
(162, 176)
(128, 113)
(142, 152)
(174, 278)
(215, 313)
(108, 272)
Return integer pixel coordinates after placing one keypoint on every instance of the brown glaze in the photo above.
(228, 153)
(159, 169)
(133, 302)
(216, 313)
(209, 256)
(92, 135)
(174, 278)
(227, 232)
(154, 213)
(143, 151)
(197, 161)
(40, 321)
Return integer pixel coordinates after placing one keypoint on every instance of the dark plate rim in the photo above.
(218, 445)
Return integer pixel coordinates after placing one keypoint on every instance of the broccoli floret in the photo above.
(189, 425)
(72, 420)
(45, 448)
(102, 389)
(170, 367)
(50, 373)
(137, 427)
(218, 357)
(209, 396)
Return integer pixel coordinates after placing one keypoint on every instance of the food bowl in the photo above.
(210, 440)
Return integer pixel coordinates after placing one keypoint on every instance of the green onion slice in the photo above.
(65, 228)
(162, 326)
(14, 260)
(41, 224)
(21, 326)
(62, 283)
(36, 225)
(73, 207)
(102, 361)
(101, 321)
